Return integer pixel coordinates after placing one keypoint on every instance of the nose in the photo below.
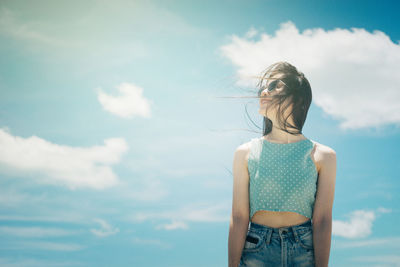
(265, 93)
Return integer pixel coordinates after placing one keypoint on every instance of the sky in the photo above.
(116, 147)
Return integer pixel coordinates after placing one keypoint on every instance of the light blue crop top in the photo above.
(283, 177)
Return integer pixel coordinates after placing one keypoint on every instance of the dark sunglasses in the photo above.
(271, 86)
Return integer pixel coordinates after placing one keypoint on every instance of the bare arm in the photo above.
(239, 221)
(322, 215)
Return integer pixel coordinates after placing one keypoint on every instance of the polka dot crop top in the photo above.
(283, 177)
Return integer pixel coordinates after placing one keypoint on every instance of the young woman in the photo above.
(283, 182)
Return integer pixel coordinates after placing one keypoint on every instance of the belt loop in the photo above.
(295, 234)
(269, 233)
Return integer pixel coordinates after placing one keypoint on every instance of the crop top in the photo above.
(282, 177)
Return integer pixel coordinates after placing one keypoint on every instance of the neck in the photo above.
(283, 137)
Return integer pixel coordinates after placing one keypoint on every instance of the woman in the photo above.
(283, 182)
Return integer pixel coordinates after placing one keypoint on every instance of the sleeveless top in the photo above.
(282, 177)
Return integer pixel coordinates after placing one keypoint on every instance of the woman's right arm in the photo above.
(239, 220)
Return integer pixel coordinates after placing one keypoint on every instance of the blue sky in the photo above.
(116, 151)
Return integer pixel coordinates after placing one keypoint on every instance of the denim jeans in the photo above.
(288, 246)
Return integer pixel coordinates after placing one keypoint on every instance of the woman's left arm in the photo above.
(322, 214)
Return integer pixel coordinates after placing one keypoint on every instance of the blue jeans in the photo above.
(288, 246)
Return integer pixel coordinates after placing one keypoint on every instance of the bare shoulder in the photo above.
(242, 151)
(324, 149)
(323, 155)
(243, 148)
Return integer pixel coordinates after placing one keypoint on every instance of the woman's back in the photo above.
(282, 181)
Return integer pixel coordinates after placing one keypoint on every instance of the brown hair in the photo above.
(297, 90)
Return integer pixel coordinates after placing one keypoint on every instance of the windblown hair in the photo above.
(297, 92)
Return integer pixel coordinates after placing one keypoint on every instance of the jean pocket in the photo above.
(306, 239)
(254, 241)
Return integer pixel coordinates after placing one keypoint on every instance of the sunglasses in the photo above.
(271, 86)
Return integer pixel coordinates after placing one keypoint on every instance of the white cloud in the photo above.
(105, 230)
(90, 42)
(359, 225)
(173, 226)
(193, 212)
(251, 33)
(10, 26)
(43, 245)
(353, 73)
(34, 231)
(134, 18)
(61, 42)
(13, 198)
(128, 104)
(377, 242)
(384, 210)
(68, 217)
(29, 262)
(74, 167)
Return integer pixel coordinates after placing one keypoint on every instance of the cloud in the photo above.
(377, 242)
(193, 212)
(359, 225)
(88, 42)
(384, 210)
(251, 33)
(10, 26)
(13, 198)
(68, 217)
(128, 104)
(87, 47)
(135, 18)
(43, 245)
(105, 230)
(27, 262)
(353, 73)
(173, 226)
(34, 231)
(74, 167)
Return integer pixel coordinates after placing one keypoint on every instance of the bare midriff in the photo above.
(278, 219)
